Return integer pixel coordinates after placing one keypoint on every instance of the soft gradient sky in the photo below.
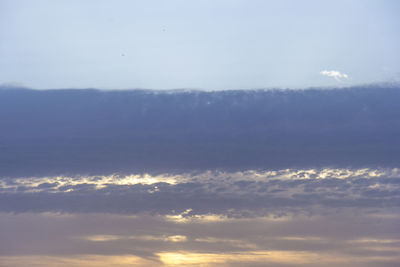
(225, 44)
(281, 178)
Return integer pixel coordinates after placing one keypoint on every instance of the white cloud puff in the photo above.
(337, 75)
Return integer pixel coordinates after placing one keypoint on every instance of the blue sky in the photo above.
(198, 44)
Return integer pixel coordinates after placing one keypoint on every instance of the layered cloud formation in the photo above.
(190, 178)
(289, 217)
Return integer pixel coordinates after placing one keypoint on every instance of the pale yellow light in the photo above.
(75, 261)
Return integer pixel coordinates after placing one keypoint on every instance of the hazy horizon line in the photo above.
(388, 84)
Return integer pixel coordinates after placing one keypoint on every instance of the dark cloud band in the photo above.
(102, 132)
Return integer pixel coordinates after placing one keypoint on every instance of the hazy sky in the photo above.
(287, 178)
(225, 44)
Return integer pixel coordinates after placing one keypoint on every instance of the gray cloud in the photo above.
(70, 132)
(236, 178)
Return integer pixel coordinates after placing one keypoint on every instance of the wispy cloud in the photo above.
(329, 238)
(337, 75)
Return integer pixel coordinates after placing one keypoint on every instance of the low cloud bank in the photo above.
(95, 132)
(232, 178)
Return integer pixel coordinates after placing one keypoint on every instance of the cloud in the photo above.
(214, 178)
(338, 76)
(329, 238)
(206, 196)
(65, 132)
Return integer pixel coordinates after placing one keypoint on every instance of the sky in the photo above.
(207, 45)
(208, 177)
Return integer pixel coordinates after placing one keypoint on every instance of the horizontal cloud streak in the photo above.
(227, 194)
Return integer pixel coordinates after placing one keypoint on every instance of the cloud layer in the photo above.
(189, 178)
(239, 194)
(346, 237)
(75, 132)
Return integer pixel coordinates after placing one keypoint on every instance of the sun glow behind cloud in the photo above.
(300, 217)
(67, 183)
(314, 240)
